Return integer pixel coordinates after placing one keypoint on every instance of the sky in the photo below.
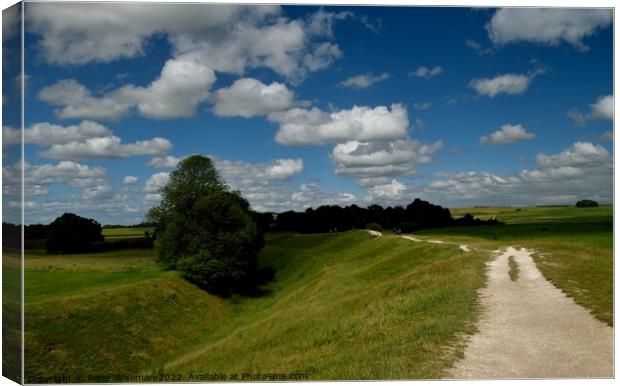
(303, 106)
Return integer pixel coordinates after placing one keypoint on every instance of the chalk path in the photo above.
(530, 329)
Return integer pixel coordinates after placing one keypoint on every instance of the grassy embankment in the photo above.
(342, 306)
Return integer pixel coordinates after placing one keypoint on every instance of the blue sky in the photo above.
(303, 106)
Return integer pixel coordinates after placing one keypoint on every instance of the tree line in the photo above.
(417, 215)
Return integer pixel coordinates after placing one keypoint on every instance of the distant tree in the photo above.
(205, 231)
(586, 204)
(71, 233)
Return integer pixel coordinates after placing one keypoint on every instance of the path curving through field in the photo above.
(530, 329)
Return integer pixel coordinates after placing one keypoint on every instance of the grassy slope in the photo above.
(574, 248)
(343, 306)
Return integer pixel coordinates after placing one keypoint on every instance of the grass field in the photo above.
(341, 306)
(121, 233)
(538, 214)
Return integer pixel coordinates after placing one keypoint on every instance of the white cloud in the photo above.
(371, 163)
(422, 105)
(427, 73)
(130, 180)
(38, 178)
(320, 57)
(182, 85)
(78, 102)
(502, 84)
(108, 147)
(580, 154)
(223, 37)
(168, 161)
(314, 127)
(507, 134)
(44, 133)
(584, 170)
(364, 80)
(249, 97)
(238, 171)
(309, 195)
(551, 174)
(547, 26)
(156, 182)
(603, 108)
(321, 23)
(102, 32)
(394, 191)
(11, 25)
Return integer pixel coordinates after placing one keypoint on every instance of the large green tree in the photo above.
(205, 230)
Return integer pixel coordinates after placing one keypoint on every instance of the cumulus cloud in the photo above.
(38, 178)
(78, 102)
(427, 73)
(393, 191)
(223, 37)
(602, 108)
(249, 97)
(300, 126)
(108, 147)
(584, 170)
(44, 133)
(130, 180)
(310, 195)
(321, 56)
(510, 84)
(364, 80)
(182, 85)
(168, 161)
(547, 26)
(279, 169)
(580, 154)
(156, 182)
(109, 31)
(371, 163)
(507, 134)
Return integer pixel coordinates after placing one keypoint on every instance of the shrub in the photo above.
(586, 204)
(71, 233)
(373, 226)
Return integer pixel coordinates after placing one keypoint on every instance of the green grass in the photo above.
(342, 306)
(120, 233)
(539, 214)
(574, 252)
(11, 315)
(514, 269)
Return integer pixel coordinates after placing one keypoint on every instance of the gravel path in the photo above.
(530, 329)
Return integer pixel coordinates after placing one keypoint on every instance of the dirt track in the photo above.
(530, 329)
